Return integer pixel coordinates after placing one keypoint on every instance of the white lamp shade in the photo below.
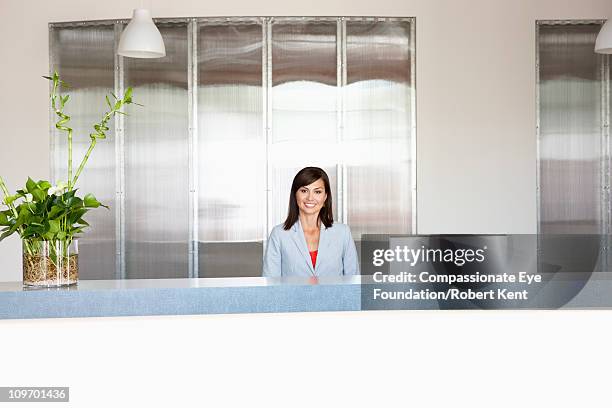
(603, 43)
(141, 38)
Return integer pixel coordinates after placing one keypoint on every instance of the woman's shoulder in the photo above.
(340, 228)
(279, 230)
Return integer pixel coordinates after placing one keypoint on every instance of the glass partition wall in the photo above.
(197, 177)
(573, 114)
(572, 130)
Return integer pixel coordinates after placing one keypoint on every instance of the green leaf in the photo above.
(108, 102)
(33, 230)
(36, 208)
(90, 201)
(14, 227)
(8, 200)
(36, 219)
(54, 226)
(4, 220)
(61, 235)
(55, 212)
(30, 185)
(75, 203)
(77, 215)
(82, 222)
(69, 194)
(63, 100)
(6, 234)
(72, 203)
(23, 211)
(77, 231)
(127, 98)
(38, 194)
(44, 185)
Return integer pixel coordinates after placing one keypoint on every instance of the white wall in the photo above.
(475, 96)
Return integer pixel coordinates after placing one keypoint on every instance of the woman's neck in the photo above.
(309, 222)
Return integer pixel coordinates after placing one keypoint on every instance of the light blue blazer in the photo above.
(287, 252)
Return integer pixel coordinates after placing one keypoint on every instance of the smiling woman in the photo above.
(308, 243)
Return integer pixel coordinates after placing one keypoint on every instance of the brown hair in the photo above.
(304, 177)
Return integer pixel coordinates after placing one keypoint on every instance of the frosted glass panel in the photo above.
(377, 128)
(570, 129)
(231, 150)
(84, 58)
(156, 162)
(304, 106)
(264, 97)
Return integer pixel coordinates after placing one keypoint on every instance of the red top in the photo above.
(313, 257)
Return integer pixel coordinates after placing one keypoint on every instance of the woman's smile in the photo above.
(310, 198)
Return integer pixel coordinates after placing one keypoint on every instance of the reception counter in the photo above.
(147, 297)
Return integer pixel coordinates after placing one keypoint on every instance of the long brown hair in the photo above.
(304, 177)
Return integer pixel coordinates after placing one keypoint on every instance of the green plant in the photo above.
(43, 212)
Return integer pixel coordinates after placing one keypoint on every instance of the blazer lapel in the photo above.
(323, 244)
(300, 242)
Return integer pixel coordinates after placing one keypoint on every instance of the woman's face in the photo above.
(311, 198)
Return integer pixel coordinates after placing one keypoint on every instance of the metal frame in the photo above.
(607, 205)
(193, 23)
(537, 129)
(340, 117)
(605, 159)
(120, 271)
(413, 121)
(266, 70)
(192, 96)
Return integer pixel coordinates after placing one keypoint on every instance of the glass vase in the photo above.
(50, 263)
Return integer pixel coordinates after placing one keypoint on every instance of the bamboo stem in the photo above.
(69, 158)
(84, 161)
(62, 121)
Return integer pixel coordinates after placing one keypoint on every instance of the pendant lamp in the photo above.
(603, 43)
(141, 38)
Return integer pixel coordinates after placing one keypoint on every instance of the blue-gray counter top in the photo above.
(144, 297)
